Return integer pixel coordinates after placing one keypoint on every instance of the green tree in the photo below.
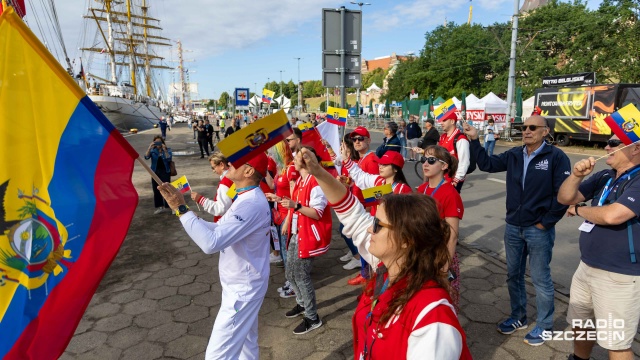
(224, 100)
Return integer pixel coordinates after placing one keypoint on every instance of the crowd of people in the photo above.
(405, 243)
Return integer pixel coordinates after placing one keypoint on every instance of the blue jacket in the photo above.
(538, 203)
(155, 155)
(389, 144)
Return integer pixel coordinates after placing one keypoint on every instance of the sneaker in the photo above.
(296, 311)
(346, 257)
(358, 280)
(352, 264)
(273, 258)
(534, 337)
(307, 325)
(284, 287)
(158, 211)
(510, 326)
(287, 294)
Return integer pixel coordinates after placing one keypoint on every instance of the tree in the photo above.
(224, 100)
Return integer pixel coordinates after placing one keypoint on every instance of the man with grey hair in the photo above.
(391, 141)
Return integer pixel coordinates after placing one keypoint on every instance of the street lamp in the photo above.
(358, 89)
(281, 94)
(360, 4)
(299, 90)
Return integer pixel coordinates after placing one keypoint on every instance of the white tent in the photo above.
(527, 107)
(373, 87)
(285, 102)
(493, 104)
(471, 101)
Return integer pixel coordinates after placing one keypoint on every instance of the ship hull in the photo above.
(127, 114)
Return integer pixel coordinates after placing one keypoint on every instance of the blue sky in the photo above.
(240, 43)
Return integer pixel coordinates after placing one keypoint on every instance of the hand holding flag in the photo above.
(373, 194)
(182, 184)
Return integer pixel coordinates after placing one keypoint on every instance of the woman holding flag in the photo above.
(405, 312)
(389, 168)
(439, 163)
(160, 156)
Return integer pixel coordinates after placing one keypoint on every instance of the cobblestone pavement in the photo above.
(160, 297)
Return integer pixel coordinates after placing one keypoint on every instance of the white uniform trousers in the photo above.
(235, 331)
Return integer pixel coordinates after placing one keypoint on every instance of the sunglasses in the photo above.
(378, 225)
(289, 140)
(432, 160)
(532, 127)
(358, 138)
(614, 142)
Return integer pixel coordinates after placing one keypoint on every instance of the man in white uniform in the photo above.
(242, 237)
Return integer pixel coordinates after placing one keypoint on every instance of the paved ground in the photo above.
(161, 295)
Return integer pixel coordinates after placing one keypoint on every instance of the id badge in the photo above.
(276, 238)
(587, 226)
(294, 224)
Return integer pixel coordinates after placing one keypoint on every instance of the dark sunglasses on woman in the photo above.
(431, 160)
(378, 225)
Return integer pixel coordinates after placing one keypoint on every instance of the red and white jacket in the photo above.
(221, 201)
(426, 328)
(314, 236)
(364, 180)
(459, 149)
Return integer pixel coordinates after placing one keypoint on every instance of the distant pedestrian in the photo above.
(390, 141)
(163, 127)
(458, 145)
(161, 157)
(209, 129)
(414, 133)
(216, 129)
(431, 135)
(202, 138)
(402, 136)
(535, 172)
(489, 136)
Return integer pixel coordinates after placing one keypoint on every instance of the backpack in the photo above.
(472, 155)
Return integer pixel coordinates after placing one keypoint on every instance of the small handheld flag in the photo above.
(372, 194)
(232, 193)
(625, 123)
(337, 116)
(182, 184)
(256, 138)
(446, 111)
(267, 95)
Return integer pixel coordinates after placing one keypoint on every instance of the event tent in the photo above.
(493, 104)
(527, 107)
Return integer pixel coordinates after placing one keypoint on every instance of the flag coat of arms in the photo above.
(267, 95)
(625, 123)
(371, 195)
(258, 137)
(182, 184)
(59, 186)
(337, 116)
(446, 111)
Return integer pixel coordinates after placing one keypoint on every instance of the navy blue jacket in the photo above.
(392, 144)
(538, 203)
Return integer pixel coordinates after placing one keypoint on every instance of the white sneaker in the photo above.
(284, 288)
(352, 264)
(346, 257)
(158, 211)
(273, 259)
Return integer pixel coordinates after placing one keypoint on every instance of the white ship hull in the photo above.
(127, 114)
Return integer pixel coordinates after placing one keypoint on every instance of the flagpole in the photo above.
(146, 167)
(615, 151)
(4, 4)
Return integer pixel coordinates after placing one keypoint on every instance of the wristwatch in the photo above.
(298, 207)
(182, 209)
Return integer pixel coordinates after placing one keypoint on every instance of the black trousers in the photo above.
(158, 200)
(210, 141)
(203, 146)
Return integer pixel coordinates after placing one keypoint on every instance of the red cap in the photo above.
(259, 163)
(360, 130)
(392, 158)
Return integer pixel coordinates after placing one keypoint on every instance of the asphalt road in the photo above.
(484, 197)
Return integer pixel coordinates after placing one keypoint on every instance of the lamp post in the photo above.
(281, 94)
(299, 90)
(358, 89)
(360, 4)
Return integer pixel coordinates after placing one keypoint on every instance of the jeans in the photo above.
(299, 275)
(538, 244)
(403, 149)
(349, 241)
(283, 245)
(488, 147)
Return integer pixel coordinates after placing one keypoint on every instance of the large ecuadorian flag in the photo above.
(625, 123)
(66, 197)
(245, 143)
(446, 111)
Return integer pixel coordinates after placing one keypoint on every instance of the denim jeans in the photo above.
(403, 149)
(282, 239)
(299, 275)
(538, 245)
(488, 147)
(349, 241)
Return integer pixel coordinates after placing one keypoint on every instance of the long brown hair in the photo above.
(420, 239)
(444, 155)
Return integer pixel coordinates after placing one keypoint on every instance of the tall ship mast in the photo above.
(126, 38)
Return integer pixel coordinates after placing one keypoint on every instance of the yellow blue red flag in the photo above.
(446, 111)
(337, 116)
(625, 123)
(258, 137)
(267, 95)
(59, 186)
(182, 184)
(371, 195)
(232, 193)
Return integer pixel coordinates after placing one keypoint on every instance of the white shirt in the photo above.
(242, 237)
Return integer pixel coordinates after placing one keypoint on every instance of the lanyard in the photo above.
(245, 189)
(367, 351)
(435, 190)
(607, 188)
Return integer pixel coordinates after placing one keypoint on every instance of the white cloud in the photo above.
(425, 13)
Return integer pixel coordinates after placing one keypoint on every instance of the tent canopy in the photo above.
(494, 105)
(472, 102)
(527, 107)
(373, 87)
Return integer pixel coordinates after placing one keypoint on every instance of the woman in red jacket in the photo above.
(406, 311)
